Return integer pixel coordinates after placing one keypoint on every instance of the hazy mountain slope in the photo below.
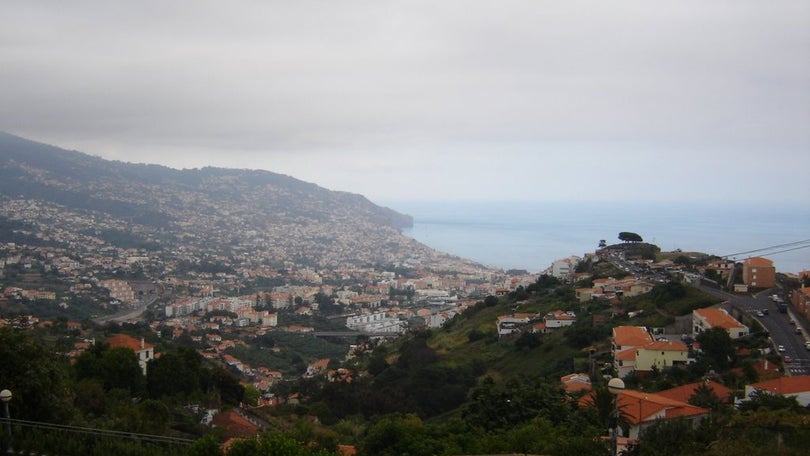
(221, 211)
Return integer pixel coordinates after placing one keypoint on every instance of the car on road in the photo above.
(765, 311)
(788, 359)
(780, 348)
(807, 345)
(760, 313)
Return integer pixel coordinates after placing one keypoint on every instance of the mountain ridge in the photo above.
(239, 210)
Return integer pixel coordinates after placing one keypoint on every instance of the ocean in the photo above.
(530, 236)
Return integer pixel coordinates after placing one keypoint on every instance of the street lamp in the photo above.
(615, 386)
(5, 396)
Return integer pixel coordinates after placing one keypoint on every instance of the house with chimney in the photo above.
(145, 352)
(797, 386)
(641, 410)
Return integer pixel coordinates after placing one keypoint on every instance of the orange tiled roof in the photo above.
(626, 355)
(576, 382)
(759, 262)
(631, 336)
(561, 315)
(718, 318)
(785, 385)
(320, 364)
(684, 392)
(235, 425)
(123, 340)
(665, 346)
(638, 407)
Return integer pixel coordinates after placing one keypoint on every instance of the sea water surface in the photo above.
(530, 236)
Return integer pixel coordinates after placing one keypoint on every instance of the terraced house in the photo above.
(635, 350)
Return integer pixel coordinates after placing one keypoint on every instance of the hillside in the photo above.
(213, 210)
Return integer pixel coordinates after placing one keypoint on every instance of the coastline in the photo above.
(531, 236)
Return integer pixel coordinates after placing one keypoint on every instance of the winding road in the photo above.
(780, 326)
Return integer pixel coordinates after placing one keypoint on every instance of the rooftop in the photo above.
(631, 336)
(785, 385)
(718, 318)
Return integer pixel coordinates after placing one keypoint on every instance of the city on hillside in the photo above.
(271, 326)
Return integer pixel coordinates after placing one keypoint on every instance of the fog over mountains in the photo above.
(214, 210)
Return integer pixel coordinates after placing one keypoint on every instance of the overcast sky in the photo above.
(417, 100)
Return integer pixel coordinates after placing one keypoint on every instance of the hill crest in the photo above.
(224, 211)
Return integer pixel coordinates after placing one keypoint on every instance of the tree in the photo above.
(718, 348)
(704, 396)
(397, 435)
(35, 376)
(528, 341)
(416, 353)
(626, 236)
(669, 438)
(326, 305)
(764, 400)
(153, 417)
(499, 406)
(275, 444)
(120, 369)
(205, 446)
(174, 373)
(227, 385)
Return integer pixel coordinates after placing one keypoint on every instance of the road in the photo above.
(779, 327)
(127, 314)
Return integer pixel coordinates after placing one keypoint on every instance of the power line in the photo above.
(790, 250)
(100, 432)
(794, 246)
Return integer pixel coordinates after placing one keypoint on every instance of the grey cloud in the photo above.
(303, 77)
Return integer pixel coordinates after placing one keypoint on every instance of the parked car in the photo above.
(765, 311)
(781, 348)
(807, 345)
(760, 313)
(788, 359)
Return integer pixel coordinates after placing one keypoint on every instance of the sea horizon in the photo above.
(531, 235)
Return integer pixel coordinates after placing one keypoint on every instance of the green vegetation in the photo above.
(460, 389)
(626, 236)
(290, 360)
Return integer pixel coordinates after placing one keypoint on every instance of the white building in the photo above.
(797, 386)
(564, 267)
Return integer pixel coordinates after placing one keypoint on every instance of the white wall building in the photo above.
(562, 268)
